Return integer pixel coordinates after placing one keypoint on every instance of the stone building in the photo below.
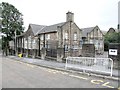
(112, 30)
(62, 39)
(28, 42)
(58, 41)
(93, 35)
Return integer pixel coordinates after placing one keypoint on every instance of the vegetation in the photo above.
(111, 38)
(12, 22)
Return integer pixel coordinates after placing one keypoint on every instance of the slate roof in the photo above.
(36, 28)
(50, 28)
(86, 30)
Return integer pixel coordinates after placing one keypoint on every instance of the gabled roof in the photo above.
(51, 28)
(115, 30)
(36, 28)
(86, 30)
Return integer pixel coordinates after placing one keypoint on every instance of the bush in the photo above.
(111, 38)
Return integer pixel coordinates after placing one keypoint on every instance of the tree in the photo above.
(0, 43)
(12, 22)
(111, 38)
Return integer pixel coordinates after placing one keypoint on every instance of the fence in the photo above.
(104, 65)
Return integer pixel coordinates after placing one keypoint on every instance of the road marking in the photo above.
(100, 81)
(30, 65)
(56, 71)
(53, 71)
(63, 73)
(96, 81)
(78, 77)
(106, 85)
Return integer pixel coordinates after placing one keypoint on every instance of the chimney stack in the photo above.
(69, 16)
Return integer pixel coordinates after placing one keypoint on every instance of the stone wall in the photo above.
(88, 50)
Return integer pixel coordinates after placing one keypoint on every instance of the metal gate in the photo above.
(104, 65)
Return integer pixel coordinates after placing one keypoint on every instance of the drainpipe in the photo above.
(44, 41)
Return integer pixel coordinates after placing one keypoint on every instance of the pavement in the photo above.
(61, 66)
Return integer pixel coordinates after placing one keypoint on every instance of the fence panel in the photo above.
(104, 65)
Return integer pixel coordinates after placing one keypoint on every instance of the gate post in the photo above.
(60, 54)
(43, 53)
(33, 53)
(111, 67)
(114, 54)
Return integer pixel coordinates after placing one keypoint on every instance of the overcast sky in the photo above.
(87, 13)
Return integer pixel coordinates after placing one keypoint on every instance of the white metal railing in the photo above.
(104, 65)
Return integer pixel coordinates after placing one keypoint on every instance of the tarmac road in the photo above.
(16, 74)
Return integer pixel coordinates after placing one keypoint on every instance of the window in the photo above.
(100, 44)
(75, 36)
(81, 43)
(66, 47)
(48, 36)
(66, 35)
(41, 37)
(75, 47)
(91, 41)
(34, 41)
(96, 44)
